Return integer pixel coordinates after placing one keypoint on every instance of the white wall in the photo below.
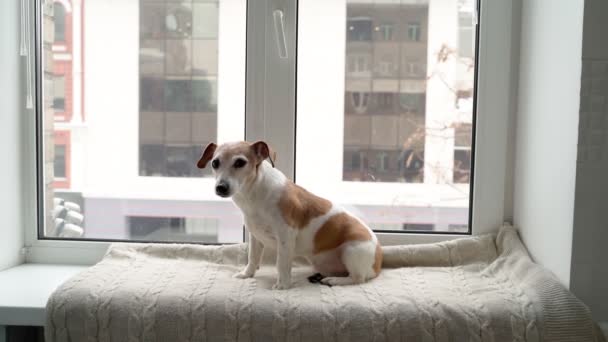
(589, 278)
(547, 130)
(11, 228)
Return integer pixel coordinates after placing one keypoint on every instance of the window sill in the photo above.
(25, 289)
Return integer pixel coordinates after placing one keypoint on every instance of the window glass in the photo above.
(133, 103)
(59, 164)
(173, 229)
(59, 14)
(463, 135)
(359, 29)
(59, 93)
(396, 141)
(413, 31)
(385, 31)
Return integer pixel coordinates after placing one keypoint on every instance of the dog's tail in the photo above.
(414, 255)
(442, 254)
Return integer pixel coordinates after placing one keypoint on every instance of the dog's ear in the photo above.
(207, 155)
(263, 151)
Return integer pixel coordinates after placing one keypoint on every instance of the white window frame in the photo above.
(270, 80)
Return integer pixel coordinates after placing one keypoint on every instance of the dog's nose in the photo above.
(222, 189)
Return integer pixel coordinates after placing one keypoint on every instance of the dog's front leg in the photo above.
(285, 253)
(254, 256)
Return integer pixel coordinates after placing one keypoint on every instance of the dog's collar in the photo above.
(271, 162)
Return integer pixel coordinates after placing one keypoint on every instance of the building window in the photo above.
(386, 31)
(411, 165)
(359, 29)
(386, 67)
(355, 161)
(413, 32)
(412, 102)
(384, 103)
(59, 164)
(383, 161)
(418, 227)
(358, 64)
(173, 229)
(359, 102)
(463, 134)
(362, 64)
(59, 93)
(165, 160)
(411, 69)
(59, 22)
(466, 35)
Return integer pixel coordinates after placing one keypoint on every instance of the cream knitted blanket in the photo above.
(482, 288)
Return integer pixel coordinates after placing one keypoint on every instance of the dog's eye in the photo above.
(239, 163)
(215, 164)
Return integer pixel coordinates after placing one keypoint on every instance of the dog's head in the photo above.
(235, 164)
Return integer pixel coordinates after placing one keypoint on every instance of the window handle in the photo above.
(279, 30)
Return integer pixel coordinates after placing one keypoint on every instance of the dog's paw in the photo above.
(244, 274)
(281, 286)
(315, 278)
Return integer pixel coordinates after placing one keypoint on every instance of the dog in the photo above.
(288, 219)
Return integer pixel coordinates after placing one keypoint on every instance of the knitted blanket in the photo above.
(483, 288)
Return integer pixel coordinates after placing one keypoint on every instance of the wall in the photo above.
(546, 133)
(589, 279)
(11, 228)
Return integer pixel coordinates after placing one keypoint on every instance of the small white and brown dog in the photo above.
(282, 216)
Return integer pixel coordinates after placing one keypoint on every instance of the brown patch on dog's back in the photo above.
(298, 206)
(337, 230)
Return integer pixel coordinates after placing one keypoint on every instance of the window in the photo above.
(382, 161)
(386, 66)
(358, 66)
(383, 103)
(358, 101)
(413, 32)
(173, 229)
(412, 102)
(418, 227)
(386, 31)
(403, 178)
(59, 166)
(59, 21)
(466, 34)
(385, 136)
(59, 93)
(359, 29)
(148, 110)
(462, 152)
